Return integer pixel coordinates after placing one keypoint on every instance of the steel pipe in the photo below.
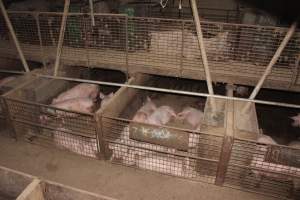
(61, 37)
(268, 70)
(203, 52)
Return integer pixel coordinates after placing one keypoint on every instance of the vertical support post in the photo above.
(228, 140)
(126, 46)
(268, 70)
(102, 145)
(36, 16)
(13, 34)
(203, 52)
(182, 46)
(61, 37)
(92, 12)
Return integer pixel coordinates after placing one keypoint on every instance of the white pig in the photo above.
(105, 98)
(161, 116)
(192, 116)
(82, 90)
(84, 105)
(145, 111)
(296, 122)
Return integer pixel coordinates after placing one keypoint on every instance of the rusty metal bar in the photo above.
(13, 34)
(61, 37)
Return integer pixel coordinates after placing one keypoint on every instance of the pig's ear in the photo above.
(111, 95)
(101, 95)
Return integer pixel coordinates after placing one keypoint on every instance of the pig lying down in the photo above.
(141, 154)
(82, 90)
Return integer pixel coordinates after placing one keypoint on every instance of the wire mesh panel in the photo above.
(264, 168)
(107, 40)
(175, 147)
(63, 113)
(160, 46)
(209, 14)
(37, 122)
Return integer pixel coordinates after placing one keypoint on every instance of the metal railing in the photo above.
(157, 46)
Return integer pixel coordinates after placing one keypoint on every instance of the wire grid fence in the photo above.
(35, 121)
(199, 161)
(175, 149)
(262, 168)
(210, 14)
(156, 45)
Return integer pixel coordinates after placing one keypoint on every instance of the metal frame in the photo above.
(237, 63)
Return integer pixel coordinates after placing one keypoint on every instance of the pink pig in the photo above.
(82, 90)
(145, 111)
(192, 116)
(296, 122)
(161, 115)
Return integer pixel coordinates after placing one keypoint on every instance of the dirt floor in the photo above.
(107, 179)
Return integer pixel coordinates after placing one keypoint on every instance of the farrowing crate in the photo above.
(262, 166)
(15, 81)
(174, 149)
(36, 121)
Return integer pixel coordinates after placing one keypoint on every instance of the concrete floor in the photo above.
(104, 178)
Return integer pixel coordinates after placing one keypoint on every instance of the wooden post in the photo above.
(268, 70)
(203, 52)
(61, 37)
(13, 34)
(227, 142)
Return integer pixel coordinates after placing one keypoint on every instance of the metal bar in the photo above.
(125, 121)
(268, 70)
(11, 71)
(40, 38)
(178, 153)
(182, 46)
(171, 91)
(203, 52)
(92, 12)
(61, 37)
(13, 34)
(126, 47)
